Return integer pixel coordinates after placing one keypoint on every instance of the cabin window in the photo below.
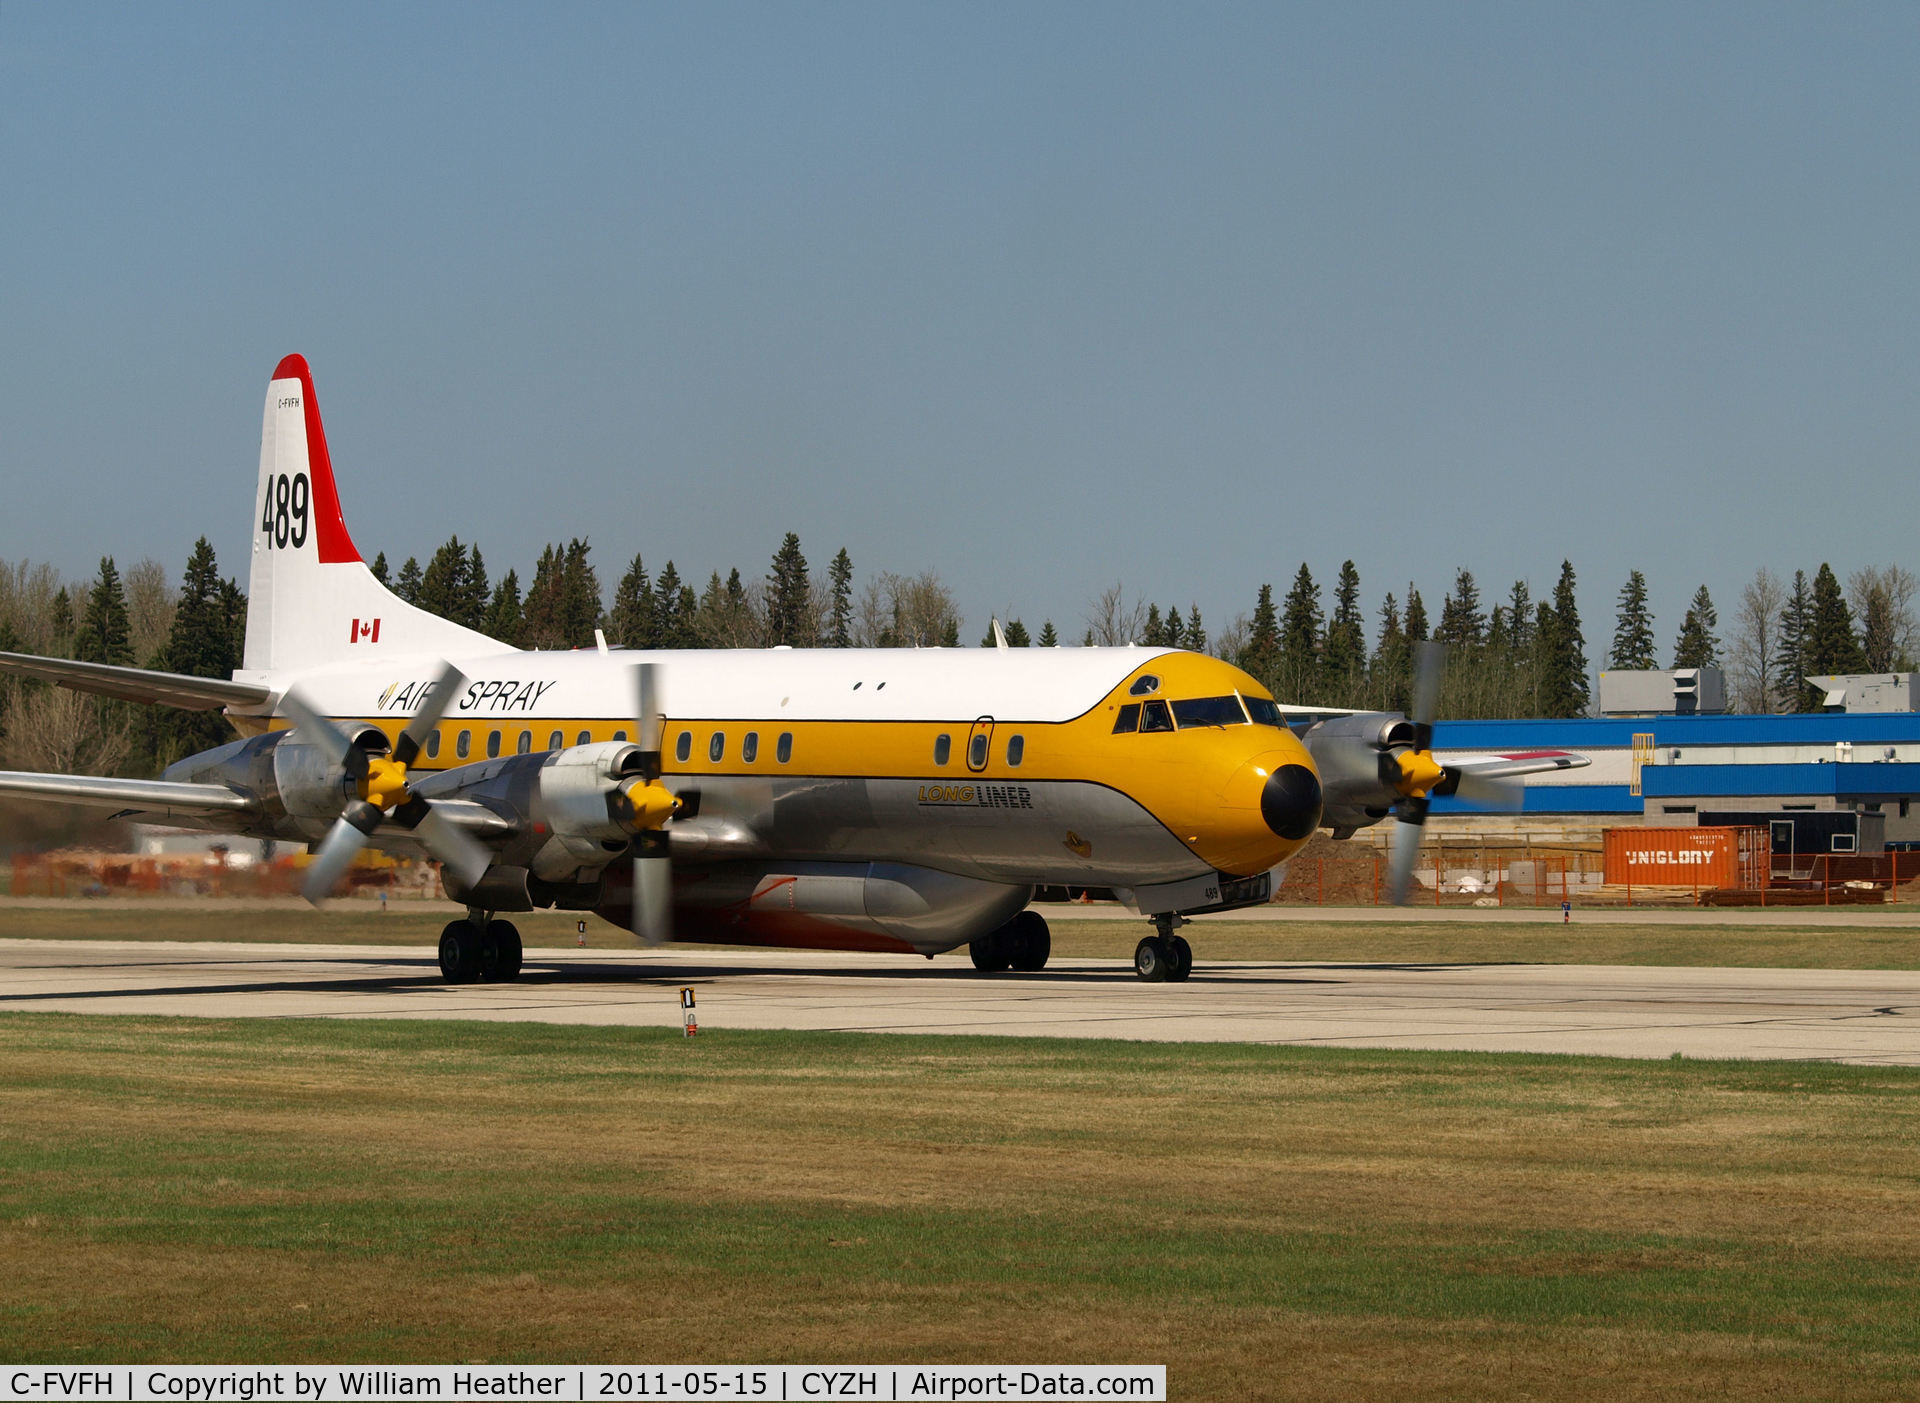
(943, 750)
(977, 751)
(1016, 749)
(1264, 711)
(493, 743)
(683, 748)
(557, 741)
(1144, 686)
(462, 744)
(1154, 716)
(750, 747)
(433, 743)
(1128, 721)
(526, 743)
(619, 735)
(717, 746)
(584, 738)
(783, 751)
(1209, 711)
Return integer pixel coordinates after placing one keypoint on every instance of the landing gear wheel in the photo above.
(500, 952)
(1028, 941)
(1182, 959)
(989, 953)
(1152, 960)
(460, 952)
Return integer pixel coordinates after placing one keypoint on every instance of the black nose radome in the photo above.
(1290, 802)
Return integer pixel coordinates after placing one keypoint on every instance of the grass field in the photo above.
(1652, 943)
(1270, 1222)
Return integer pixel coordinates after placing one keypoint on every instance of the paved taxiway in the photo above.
(1869, 1016)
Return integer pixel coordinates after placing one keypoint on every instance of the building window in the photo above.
(683, 747)
(943, 750)
(493, 743)
(462, 744)
(433, 744)
(783, 750)
(717, 747)
(557, 741)
(525, 745)
(750, 747)
(1016, 748)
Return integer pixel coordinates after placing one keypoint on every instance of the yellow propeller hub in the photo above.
(1419, 772)
(652, 804)
(385, 786)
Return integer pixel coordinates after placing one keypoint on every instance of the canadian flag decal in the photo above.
(364, 630)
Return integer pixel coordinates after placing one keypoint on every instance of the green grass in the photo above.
(1389, 1224)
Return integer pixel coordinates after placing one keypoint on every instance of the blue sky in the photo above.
(1037, 297)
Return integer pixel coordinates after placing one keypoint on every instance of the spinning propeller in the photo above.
(383, 795)
(653, 805)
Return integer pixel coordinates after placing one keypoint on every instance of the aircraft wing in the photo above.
(150, 796)
(1531, 762)
(135, 684)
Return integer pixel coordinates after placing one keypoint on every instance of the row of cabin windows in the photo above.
(749, 747)
(463, 743)
(977, 750)
(717, 745)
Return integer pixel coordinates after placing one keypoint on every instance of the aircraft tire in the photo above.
(1182, 963)
(499, 953)
(460, 952)
(1152, 960)
(989, 952)
(1030, 941)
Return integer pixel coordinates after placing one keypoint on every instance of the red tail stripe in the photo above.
(331, 537)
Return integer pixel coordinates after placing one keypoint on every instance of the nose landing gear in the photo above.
(480, 949)
(1164, 956)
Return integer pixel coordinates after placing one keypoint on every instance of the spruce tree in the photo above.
(1389, 675)
(1017, 635)
(1633, 627)
(62, 624)
(105, 634)
(1153, 635)
(1261, 655)
(1793, 646)
(503, 622)
(408, 585)
(1196, 631)
(580, 596)
(951, 638)
(206, 641)
(379, 567)
(1564, 690)
(1300, 637)
(840, 601)
(473, 598)
(789, 597)
(443, 585)
(672, 618)
(1048, 637)
(1697, 645)
(630, 621)
(543, 625)
(1416, 621)
(1461, 623)
(1345, 650)
(1832, 646)
(1519, 618)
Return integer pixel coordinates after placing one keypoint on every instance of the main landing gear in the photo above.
(1164, 956)
(480, 949)
(1021, 944)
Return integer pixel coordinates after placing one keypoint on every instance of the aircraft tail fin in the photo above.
(311, 600)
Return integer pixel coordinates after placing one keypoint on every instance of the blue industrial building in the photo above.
(1674, 769)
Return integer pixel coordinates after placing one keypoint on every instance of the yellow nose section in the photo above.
(1269, 807)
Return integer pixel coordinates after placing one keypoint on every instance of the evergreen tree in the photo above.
(1300, 621)
(379, 567)
(951, 638)
(408, 585)
(206, 641)
(789, 597)
(1633, 627)
(673, 611)
(543, 625)
(1389, 675)
(1832, 646)
(1196, 631)
(1697, 645)
(1173, 628)
(1049, 638)
(1261, 655)
(630, 622)
(443, 587)
(1564, 690)
(1345, 650)
(1154, 634)
(840, 601)
(1017, 635)
(1462, 625)
(105, 634)
(475, 596)
(1416, 624)
(1519, 619)
(62, 624)
(580, 595)
(503, 622)
(1790, 655)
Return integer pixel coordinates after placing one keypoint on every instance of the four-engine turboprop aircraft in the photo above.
(867, 799)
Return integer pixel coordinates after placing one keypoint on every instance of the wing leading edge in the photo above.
(136, 684)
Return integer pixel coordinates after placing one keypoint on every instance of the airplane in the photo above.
(878, 799)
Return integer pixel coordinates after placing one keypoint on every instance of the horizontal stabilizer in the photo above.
(151, 796)
(136, 684)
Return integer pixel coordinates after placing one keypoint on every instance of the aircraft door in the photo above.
(980, 744)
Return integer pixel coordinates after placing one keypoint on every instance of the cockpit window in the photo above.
(1209, 711)
(1128, 721)
(1154, 716)
(1144, 686)
(1264, 711)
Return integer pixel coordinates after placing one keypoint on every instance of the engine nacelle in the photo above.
(1347, 750)
(580, 797)
(284, 773)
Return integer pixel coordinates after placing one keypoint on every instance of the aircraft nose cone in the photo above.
(1290, 801)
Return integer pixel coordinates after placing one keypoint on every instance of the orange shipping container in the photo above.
(1686, 857)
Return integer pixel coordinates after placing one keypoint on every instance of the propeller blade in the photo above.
(439, 697)
(1411, 818)
(344, 840)
(464, 857)
(652, 889)
(1506, 793)
(648, 716)
(321, 733)
(1429, 668)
